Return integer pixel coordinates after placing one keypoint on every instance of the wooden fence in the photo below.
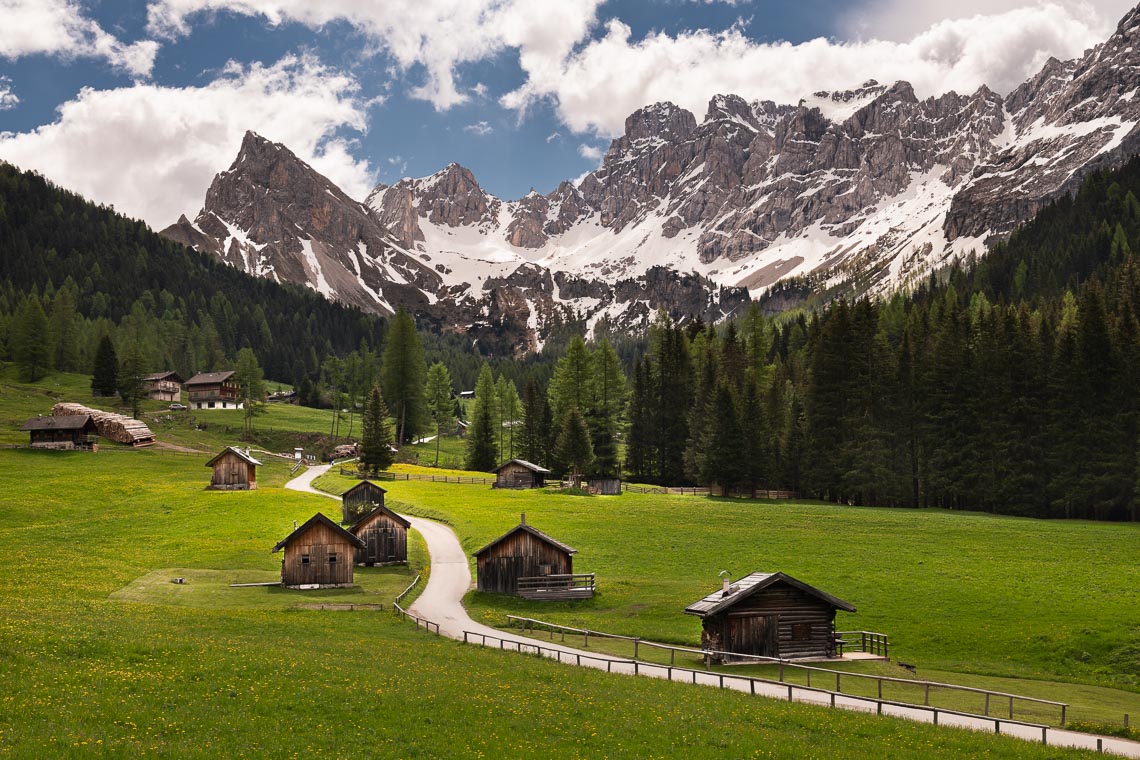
(385, 475)
(706, 654)
(547, 587)
(867, 641)
(402, 613)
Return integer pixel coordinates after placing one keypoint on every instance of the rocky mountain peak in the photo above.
(664, 120)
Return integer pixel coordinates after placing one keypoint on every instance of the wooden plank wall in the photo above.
(319, 542)
(386, 541)
(793, 607)
(233, 472)
(361, 501)
(515, 476)
(519, 556)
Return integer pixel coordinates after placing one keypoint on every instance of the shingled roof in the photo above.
(318, 519)
(534, 532)
(750, 584)
(66, 422)
(235, 450)
(208, 378)
(529, 465)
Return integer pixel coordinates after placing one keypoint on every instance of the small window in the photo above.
(211, 404)
(801, 631)
(304, 559)
(332, 558)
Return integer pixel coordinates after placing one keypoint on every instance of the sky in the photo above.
(139, 103)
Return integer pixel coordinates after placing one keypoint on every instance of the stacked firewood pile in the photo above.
(116, 427)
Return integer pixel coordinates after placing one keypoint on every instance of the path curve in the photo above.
(450, 579)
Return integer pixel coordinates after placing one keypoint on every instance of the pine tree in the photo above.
(639, 448)
(402, 372)
(609, 385)
(573, 381)
(534, 433)
(724, 465)
(132, 372)
(481, 438)
(439, 401)
(31, 342)
(105, 374)
(574, 447)
(64, 331)
(376, 434)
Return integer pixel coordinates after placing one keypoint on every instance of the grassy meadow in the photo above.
(102, 656)
(1041, 608)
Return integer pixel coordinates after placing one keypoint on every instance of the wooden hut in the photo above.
(234, 470)
(771, 615)
(73, 431)
(519, 473)
(604, 486)
(360, 500)
(385, 537)
(213, 390)
(319, 554)
(527, 562)
(163, 386)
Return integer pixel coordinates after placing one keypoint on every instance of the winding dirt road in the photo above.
(442, 602)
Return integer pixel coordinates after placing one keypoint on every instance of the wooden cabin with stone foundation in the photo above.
(234, 470)
(769, 615)
(385, 537)
(319, 554)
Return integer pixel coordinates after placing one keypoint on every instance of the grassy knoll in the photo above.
(962, 593)
(101, 656)
(452, 452)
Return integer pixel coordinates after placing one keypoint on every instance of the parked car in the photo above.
(178, 407)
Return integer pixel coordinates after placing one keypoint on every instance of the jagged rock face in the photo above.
(272, 215)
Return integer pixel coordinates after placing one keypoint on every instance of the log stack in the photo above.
(116, 427)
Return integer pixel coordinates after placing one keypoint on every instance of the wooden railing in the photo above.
(385, 475)
(865, 641)
(783, 665)
(573, 586)
(300, 463)
(408, 590)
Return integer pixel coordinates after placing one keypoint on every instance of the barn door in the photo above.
(753, 634)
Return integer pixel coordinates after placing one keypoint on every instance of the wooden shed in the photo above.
(319, 554)
(771, 615)
(234, 470)
(385, 537)
(360, 500)
(519, 473)
(73, 431)
(527, 562)
(604, 486)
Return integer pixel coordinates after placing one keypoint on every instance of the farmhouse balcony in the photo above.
(551, 587)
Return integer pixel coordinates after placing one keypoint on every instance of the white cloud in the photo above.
(553, 136)
(591, 152)
(480, 128)
(480, 90)
(8, 98)
(59, 27)
(904, 19)
(152, 151)
(604, 81)
(435, 34)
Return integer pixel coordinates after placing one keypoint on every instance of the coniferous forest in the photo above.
(1006, 384)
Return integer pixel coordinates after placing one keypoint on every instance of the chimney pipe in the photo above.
(294, 525)
(726, 582)
(522, 519)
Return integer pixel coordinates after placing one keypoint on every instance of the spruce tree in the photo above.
(439, 401)
(482, 450)
(132, 372)
(573, 381)
(724, 465)
(605, 418)
(31, 341)
(376, 434)
(534, 434)
(251, 381)
(402, 372)
(105, 373)
(574, 447)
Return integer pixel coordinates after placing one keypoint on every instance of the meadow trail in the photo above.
(442, 602)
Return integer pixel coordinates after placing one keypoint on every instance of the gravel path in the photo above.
(450, 579)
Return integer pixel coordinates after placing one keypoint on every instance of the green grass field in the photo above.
(1027, 606)
(100, 655)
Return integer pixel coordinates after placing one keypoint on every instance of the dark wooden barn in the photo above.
(234, 470)
(519, 473)
(73, 431)
(319, 554)
(385, 537)
(359, 500)
(604, 486)
(527, 562)
(771, 615)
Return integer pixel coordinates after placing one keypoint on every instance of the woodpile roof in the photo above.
(68, 422)
(110, 425)
(534, 532)
(319, 519)
(209, 378)
(529, 465)
(739, 590)
(233, 450)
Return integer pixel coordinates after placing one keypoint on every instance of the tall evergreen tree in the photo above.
(439, 401)
(376, 434)
(574, 447)
(132, 373)
(250, 380)
(31, 341)
(725, 465)
(482, 449)
(534, 436)
(605, 417)
(402, 372)
(105, 373)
